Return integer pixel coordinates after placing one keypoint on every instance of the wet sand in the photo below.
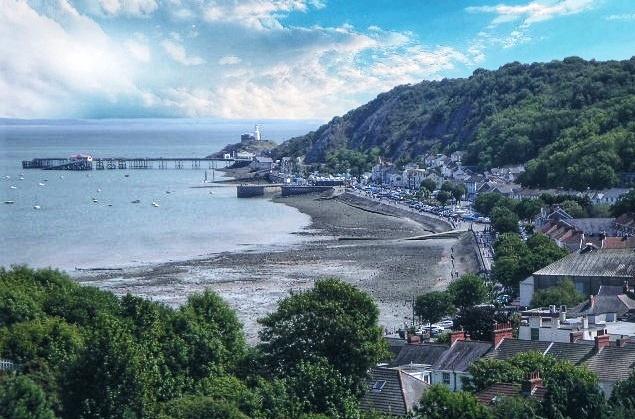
(350, 238)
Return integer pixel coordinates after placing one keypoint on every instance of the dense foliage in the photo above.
(561, 294)
(516, 259)
(572, 391)
(624, 205)
(82, 352)
(572, 121)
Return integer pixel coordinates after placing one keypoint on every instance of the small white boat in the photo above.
(41, 184)
(9, 202)
(21, 177)
(7, 177)
(61, 176)
(98, 189)
(13, 187)
(155, 205)
(136, 201)
(95, 200)
(36, 207)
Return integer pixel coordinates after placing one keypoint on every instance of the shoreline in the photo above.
(348, 237)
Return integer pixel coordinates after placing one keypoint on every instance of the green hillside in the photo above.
(571, 121)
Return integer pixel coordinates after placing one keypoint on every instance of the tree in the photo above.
(443, 197)
(623, 393)
(438, 402)
(427, 186)
(21, 398)
(517, 408)
(195, 407)
(467, 291)
(562, 294)
(504, 220)
(433, 306)
(526, 209)
(478, 322)
(333, 321)
(485, 202)
(626, 203)
(573, 209)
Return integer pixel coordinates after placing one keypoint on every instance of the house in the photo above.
(608, 300)
(607, 196)
(453, 365)
(611, 362)
(505, 189)
(417, 359)
(412, 177)
(588, 268)
(391, 392)
(261, 163)
(532, 387)
(457, 156)
(625, 224)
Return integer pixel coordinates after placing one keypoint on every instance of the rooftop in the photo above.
(618, 263)
(426, 354)
(461, 355)
(391, 392)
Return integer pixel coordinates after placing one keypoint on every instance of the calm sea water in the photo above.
(70, 230)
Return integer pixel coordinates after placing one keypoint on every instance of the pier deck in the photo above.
(111, 163)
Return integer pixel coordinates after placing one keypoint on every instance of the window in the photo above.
(446, 378)
(378, 385)
(535, 333)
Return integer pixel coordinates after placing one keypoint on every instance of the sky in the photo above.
(275, 59)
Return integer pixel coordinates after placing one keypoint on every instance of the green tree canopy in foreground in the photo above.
(625, 204)
(467, 291)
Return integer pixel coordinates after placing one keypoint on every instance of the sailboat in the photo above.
(155, 205)
(205, 180)
(36, 207)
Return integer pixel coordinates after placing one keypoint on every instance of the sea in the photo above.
(70, 230)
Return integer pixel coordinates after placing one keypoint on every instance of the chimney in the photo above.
(575, 336)
(456, 336)
(622, 341)
(601, 342)
(414, 338)
(585, 322)
(529, 385)
(563, 314)
(500, 332)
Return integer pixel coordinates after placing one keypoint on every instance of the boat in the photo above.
(36, 207)
(167, 191)
(110, 205)
(41, 184)
(211, 193)
(21, 177)
(7, 177)
(155, 205)
(61, 176)
(126, 175)
(98, 189)
(136, 201)
(13, 187)
(9, 202)
(95, 200)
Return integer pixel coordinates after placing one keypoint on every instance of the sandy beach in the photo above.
(351, 238)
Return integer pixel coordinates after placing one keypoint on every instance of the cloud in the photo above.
(139, 8)
(533, 12)
(323, 79)
(177, 52)
(50, 67)
(257, 14)
(138, 47)
(229, 60)
(623, 17)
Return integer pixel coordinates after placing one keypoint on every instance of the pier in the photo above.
(113, 163)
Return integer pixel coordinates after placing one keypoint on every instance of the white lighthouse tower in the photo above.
(257, 132)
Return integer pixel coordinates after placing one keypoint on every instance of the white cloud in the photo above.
(322, 80)
(178, 54)
(255, 14)
(138, 47)
(229, 60)
(533, 12)
(623, 16)
(138, 8)
(49, 66)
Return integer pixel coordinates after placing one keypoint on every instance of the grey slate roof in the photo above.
(398, 394)
(616, 263)
(509, 348)
(572, 352)
(593, 225)
(395, 345)
(426, 354)
(461, 355)
(609, 299)
(612, 363)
